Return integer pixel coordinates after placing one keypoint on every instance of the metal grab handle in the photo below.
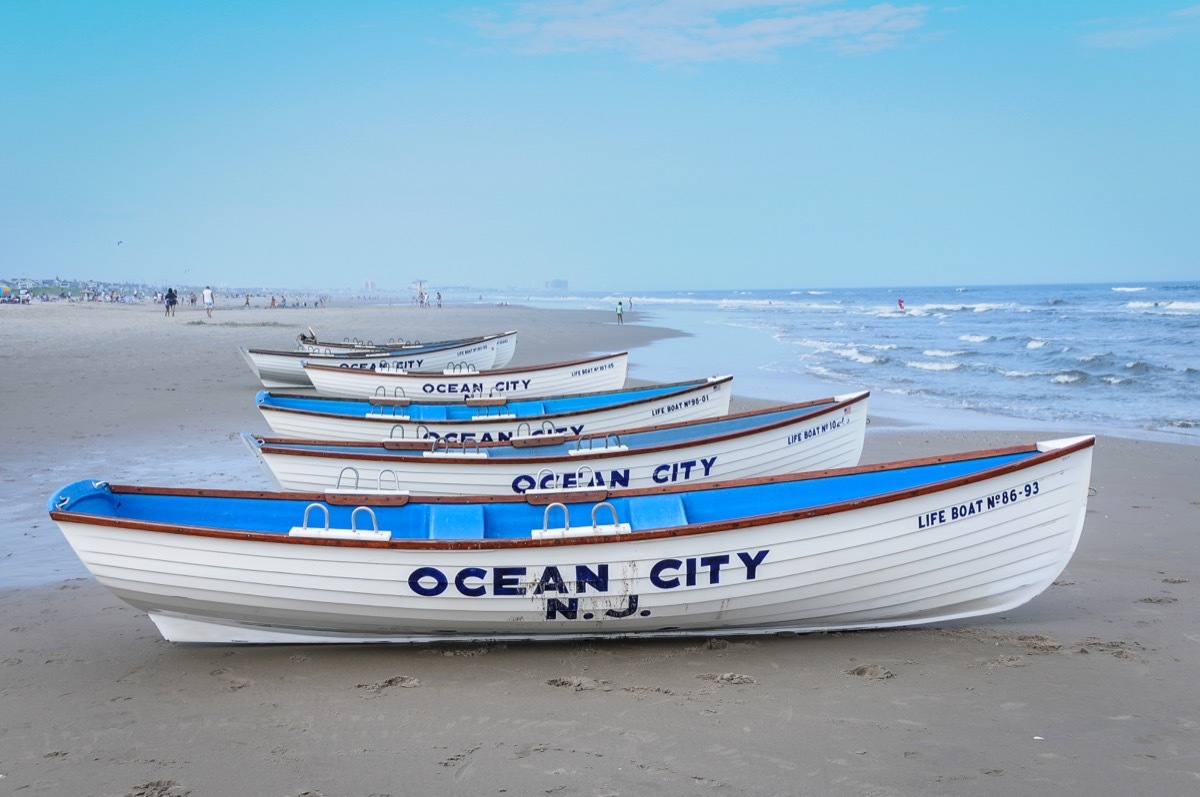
(462, 445)
(537, 480)
(323, 508)
(395, 479)
(546, 516)
(579, 475)
(591, 440)
(354, 514)
(338, 484)
(397, 392)
(611, 508)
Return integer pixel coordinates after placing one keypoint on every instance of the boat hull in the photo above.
(873, 547)
(555, 379)
(285, 369)
(288, 417)
(506, 346)
(816, 435)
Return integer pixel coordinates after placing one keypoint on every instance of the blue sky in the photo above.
(621, 146)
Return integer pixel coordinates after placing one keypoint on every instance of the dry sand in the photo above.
(1089, 689)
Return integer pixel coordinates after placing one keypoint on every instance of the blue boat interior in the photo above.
(632, 440)
(466, 520)
(460, 411)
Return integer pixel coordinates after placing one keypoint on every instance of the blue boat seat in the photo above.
(455, 521)
(656, 512)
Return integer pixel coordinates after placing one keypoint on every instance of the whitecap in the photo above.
(932, 366)
(1130, 290)
(942, 353)
(1069, 378)
(856, 355)
(1170, 308)
(1035, 344)
(974, 338)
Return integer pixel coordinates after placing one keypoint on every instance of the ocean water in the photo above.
(1111, 359)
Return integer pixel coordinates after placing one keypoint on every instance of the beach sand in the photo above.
(1091, 688)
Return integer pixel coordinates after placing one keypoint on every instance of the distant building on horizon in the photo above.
(556, 285)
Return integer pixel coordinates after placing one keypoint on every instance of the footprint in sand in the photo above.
(875, 672)
(403, 681)
(727, 678)
(580, 684)
(159, 788)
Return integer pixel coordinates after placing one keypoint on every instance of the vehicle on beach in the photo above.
(812, 435)
(331, 418)
(605, 372)
(876, 546)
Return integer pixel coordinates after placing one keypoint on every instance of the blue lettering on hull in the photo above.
(564, 585)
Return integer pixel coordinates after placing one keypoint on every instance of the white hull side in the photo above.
(567, 379)
(829, 440)
(282, 370)
(870, 567)
(506, 346)
(703, 402)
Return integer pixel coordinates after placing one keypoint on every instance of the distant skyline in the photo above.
(621, 146)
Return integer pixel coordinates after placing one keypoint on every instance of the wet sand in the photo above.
(1088, 689)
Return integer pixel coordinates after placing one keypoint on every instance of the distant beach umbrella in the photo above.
(5, 290)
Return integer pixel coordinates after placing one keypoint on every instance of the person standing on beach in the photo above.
(620, 313)
(209, 300)
(171, 300)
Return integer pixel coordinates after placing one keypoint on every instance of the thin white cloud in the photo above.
(691, 31)
(1137, 32)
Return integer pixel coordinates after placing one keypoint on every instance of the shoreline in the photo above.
(1086, 689)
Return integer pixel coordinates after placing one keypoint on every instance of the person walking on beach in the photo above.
(171, 300)
(209, 300)
(620, 313)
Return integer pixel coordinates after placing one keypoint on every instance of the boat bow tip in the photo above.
(1066, 442)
